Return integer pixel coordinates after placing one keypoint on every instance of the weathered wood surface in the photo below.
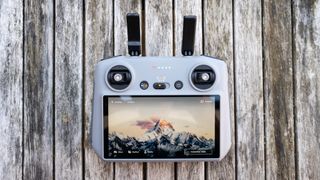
(68, 89)
(98, 35)
(159, 28)
(47, 55)
(278, 90)
(38, 90)
(307, 87)
(249, 90)
(183, 8)
(218, 42)
(121, 8)
(11, 89)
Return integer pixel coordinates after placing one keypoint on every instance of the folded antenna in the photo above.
(189, 29)
(134, 44)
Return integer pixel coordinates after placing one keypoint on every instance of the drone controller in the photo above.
(161, 108)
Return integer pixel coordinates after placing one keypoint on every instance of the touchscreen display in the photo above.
(161, 127)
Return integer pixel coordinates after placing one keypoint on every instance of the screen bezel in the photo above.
(216, 150)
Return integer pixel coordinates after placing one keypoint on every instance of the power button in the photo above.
(178, 85)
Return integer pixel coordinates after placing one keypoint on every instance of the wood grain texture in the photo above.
(158, 28)
(249, 89)
(121, 8)
(183, 8)
(160, 171)
(278, 88)
(68, 89)
(98, 45)
(307, 87)
(188, 170)
(128, 171)
(218, 42)
(159, 42)
(38, 93)
(11, 88)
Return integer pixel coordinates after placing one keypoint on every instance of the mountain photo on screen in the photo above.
(160, 127)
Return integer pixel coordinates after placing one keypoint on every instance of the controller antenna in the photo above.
(134, 43)
(189, 29)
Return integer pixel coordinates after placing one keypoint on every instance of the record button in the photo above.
(178, 85)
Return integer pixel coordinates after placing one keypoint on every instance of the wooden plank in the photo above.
(68, 89)
(307, 85)
(159, 42)
(158, 28)
(128, 171)
(188, 170)
(249, 89)
(278, 88)
(183, 8)
(121, 8)
(11, 88)
(98, 45)
(38, 93)
(218, 42)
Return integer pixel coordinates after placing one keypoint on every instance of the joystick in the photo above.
(202, 77)
(118, 77)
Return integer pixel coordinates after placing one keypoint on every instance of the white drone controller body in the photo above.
(161, 108)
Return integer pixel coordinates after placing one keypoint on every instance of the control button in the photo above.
(117, 77)
(159, 85)
(178, 84)
(205, 76)
(144, 85)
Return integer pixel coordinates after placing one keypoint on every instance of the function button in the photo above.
(178, 84)
(159, 85)
(144, 85)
